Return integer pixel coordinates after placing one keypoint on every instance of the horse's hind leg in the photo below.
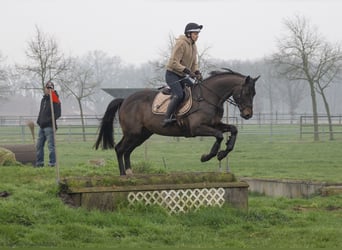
(119, 149)
(135, 141)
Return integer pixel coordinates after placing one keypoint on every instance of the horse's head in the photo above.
(243, 97)
(227, 83)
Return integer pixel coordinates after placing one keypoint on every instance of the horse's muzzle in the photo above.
(246, 113)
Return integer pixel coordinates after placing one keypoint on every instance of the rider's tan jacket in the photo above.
(183, 55)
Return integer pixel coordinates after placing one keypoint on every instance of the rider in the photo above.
(183, 61)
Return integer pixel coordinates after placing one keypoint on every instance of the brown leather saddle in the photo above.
(162, 100)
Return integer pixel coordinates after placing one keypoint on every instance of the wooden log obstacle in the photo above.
(177, 192)
(290, 188)
(24, 153)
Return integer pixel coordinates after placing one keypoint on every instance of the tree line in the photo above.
(303, 68)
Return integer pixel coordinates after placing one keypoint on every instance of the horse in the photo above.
(138, 122)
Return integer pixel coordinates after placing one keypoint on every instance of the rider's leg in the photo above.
(171, 109)
(173, 80)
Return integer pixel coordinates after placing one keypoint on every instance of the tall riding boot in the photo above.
(169, 118)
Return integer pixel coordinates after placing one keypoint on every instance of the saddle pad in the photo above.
(161, 101)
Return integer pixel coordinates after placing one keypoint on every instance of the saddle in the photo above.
(162, 100)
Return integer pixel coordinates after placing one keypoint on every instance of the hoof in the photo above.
(129, 171)
(205, 158)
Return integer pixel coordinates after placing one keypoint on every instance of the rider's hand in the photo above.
(188, 72)
(198, 75)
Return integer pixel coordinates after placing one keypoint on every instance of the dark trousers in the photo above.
(175, 83)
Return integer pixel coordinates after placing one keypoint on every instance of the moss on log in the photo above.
(145, 179)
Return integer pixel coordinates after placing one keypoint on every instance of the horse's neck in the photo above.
(219, 90)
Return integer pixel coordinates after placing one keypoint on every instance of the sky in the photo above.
(138, 31)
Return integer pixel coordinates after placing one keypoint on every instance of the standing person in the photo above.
(44, 121)
(183, 61)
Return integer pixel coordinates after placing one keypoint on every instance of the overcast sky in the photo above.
(138, 30)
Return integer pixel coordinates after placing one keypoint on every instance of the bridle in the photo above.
(231, 100)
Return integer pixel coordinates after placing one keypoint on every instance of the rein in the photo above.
(230, 100)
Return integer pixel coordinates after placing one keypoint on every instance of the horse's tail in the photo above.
(106, 137)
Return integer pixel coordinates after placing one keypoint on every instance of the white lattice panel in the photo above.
(180, 200)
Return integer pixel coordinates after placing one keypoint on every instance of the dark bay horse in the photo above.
(138, 122)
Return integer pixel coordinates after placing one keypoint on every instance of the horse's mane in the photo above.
(226, 71)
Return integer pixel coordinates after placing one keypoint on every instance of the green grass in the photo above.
(253, 156)
(34, 216)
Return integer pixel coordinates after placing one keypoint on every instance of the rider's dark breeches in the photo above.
(173, 80)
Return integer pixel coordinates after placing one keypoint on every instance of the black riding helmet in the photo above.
(192, 27)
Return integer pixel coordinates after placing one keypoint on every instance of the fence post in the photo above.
(300, 127)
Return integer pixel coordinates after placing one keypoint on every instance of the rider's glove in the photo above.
(188, 72)
(198, 75)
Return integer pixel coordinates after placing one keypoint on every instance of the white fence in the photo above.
(15, 128)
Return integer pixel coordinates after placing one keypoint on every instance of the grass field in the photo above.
(33, 215)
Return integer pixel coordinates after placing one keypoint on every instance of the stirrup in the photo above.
(168, 121)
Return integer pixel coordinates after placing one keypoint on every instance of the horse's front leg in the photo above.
(214, 149)
(230, 142)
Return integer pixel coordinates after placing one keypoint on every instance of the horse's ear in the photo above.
(247, 80)
(256, 78)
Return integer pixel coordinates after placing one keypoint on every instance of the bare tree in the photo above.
(204, 62)
(159, 65)
(328, 69)
(107, 73)
(106, 68)
(267, 87)
(45, 60)
(305, 56)
(81, 82)
(4, 83)
(283, 89)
